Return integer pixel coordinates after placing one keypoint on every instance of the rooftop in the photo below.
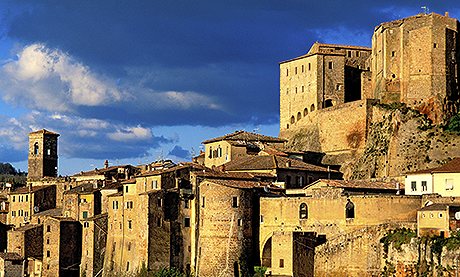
(45, 132)
(272, 162)
(27, 189)
(360, 184)
(240, 184)
(452, 166)
(246, 137)
(10, 256)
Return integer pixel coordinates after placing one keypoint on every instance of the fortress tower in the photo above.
(328, 75)
(43, 157)
(415, 61)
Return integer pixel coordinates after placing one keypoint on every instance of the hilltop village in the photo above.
(301, 204)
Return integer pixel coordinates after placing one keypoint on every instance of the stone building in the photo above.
(328, 75)
(293, 173)
(27, 241)
(293, 225)
(82, 202)
(438, 219)
(229, 147)
(94, 239)
(415, 61)
(43, 154)
(28, 200)
(11, 265)
(62, 242)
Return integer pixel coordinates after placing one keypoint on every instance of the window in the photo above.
(127, 266)
(126, 189)
(210, 152)
(349, 53)
(48, 152)
(159, 202)
(48, 254)
(305, 112)
(86, 224)
(129, 246)
(26, 213)
(14, 198)
(36, 148)
(130, 224)
(48, 228)
(440, 215)
(261, 218)
(115, 205)
(85, 214)
(292, 119)
(424, 186)
(281, 263)
(154, 184)
(303, 211)
(287, 72)
(240, 222)
(295, 89)
(235, 202)
(435, 45)
(129, 204)
(330, 65)
(303, 88)
(299, 116)
(187, 222)
(312, 107)
(27, 198)
(413, 185)
(203, 201)
(159, 222)
(13, 213)
(303, 68)
(349, 209)
(449, 184)
(357, 53)
(393, 53)
(48, 241)
(295, 69)
(309, 66)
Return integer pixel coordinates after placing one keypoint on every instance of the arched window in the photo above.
(303, 211)
(36, 148)
(292, 119)
(312, 107)
(328, 103)
(299, 116)
(349, 209)
(305, 112)
(210, 151)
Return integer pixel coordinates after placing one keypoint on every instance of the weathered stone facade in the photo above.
(43, 154)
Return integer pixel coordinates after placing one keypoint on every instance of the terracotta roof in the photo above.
(50, 212)
(27, 227)
(174, 168)
(45, 132)
(117, 185)
(11, 256)
(241, 184)
(212, 174)
(245, 136)
(271, 162)
(360, 184)
(450, 167)
(100, 171)
(435, 207)
(26, 189)
(120, 193)
(273, 151)
(85, 188)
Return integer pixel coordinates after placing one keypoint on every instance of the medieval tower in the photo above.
(43, 157)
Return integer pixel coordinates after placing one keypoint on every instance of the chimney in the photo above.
(106, 164)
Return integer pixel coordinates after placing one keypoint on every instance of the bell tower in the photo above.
(43, 157)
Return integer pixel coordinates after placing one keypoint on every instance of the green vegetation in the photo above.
(9, 174)
(454, 124)
(397, 237)
(259, 271)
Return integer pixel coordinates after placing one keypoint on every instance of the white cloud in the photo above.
(49, 79)
(131, 134)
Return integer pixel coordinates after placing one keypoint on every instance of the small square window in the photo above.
(281, 263)
(330, 65)
(187, 222)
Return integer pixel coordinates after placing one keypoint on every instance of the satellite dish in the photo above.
(36, 209)
(457, 215)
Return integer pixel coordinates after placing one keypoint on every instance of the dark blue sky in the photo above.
(132, 81)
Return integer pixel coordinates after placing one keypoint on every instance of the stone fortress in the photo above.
(252, 202)
(330, 97)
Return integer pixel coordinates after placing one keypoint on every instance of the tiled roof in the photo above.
(101, 171)
(450, 167)
(83, 189)
(10, 256)
(245, 136)
(50, 212)
(435, 207)
(120, 193)
(212, 174)
(27, 227)
(174, 168)
(45, 132)
(271, 162)
(26, 189)
(361, 184)
(241, 184)
(272, 151)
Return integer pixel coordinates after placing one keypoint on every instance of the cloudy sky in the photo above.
(135, 81)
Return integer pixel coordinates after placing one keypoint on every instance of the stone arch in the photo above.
(267, 253)
(312, 108)
(349, 209)
(36, 148)
(305, 112)
(292, 119)
(328, 103)
(299, 116)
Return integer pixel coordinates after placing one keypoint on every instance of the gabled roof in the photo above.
(240, 184)
(27, 189)
(45, 132)
(267, 162)
(360, 184)
(86, 188)
(101, 171)
(245, 136)
(451, 167)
